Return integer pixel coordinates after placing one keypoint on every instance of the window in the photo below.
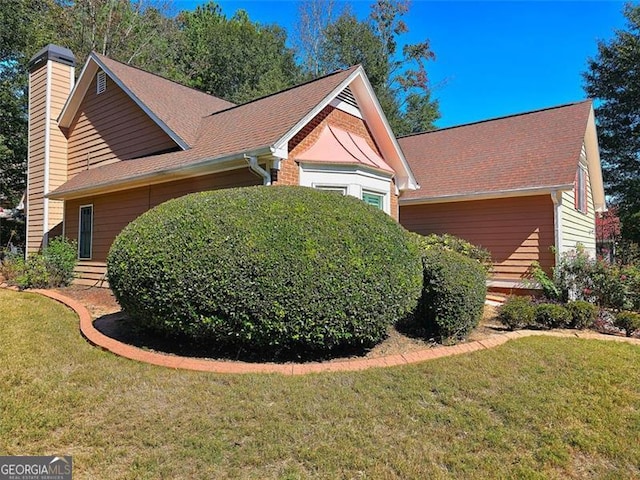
(580, 190)
(375, 199)
(332, 188)
(85, 232)
(101, 82)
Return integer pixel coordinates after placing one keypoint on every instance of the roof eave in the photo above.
(202, 167)
(487, 195)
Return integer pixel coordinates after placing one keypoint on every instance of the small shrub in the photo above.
(53, 267)
(60, 257)
(583, 314)
(517, 312)
(454, 290)
(454, 244)
(552, 315)
(279, 271)
(549, 288)
(627, 321)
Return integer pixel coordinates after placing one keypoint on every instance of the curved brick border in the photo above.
(174, 361)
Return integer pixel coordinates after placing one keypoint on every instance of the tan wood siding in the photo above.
(110, 127)
(37, 122)
(47, 170)
(114, 211)
(578, 227)
(517, 231)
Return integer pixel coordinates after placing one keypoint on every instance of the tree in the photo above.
(314, 16)
(139, 32)
(234, 58)
(399, 79)
(613, 77)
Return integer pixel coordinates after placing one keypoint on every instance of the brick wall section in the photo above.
(394, 211)
(289, 171)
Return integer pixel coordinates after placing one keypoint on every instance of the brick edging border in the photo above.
(97, 338)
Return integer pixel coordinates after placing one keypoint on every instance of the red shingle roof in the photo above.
(180, 108)
(234, 131)
(534, 150)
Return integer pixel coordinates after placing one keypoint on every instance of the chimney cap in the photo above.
(51, 52)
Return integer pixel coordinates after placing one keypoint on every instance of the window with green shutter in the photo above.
(375, 199)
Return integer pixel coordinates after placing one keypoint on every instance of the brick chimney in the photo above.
(51, 78)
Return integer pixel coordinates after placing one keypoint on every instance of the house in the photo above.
(526, 187)
(119, 141)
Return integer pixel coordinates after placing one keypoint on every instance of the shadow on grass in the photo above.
(117, 326)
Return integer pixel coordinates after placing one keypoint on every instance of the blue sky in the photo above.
(493, 58)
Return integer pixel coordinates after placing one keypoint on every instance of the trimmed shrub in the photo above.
(583, 314)
(454, 244)
(517, 312)
(270, 270)
(627, 321)
(453, 294)
(552, 315)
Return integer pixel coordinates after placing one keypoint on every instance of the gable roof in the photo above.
(531, 152)
(177, 109)
(252, 128)
(220, 140)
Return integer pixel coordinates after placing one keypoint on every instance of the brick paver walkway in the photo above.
(174, 361)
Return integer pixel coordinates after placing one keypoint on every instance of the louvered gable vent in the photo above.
(347, 96)
(101, 82)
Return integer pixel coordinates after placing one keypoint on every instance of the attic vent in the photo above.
(347, 97)
(101, 82)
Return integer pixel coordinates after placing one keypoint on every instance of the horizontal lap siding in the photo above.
(110, 127)
(55, 172)
(577, 227)
(517, 231)
(114, 211)
(37, 122)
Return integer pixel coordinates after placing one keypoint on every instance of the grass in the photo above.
(533, 408)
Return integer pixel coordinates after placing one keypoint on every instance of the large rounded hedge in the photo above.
(266, 269)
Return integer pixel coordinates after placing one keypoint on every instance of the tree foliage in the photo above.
(613, 77)
(234, 58)
(398, 76)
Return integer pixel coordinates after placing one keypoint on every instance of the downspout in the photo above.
(556, 197)
(253, 165)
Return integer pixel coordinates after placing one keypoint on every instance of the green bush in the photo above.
(517, 312)
(583, 314)
(552, 315)
(453, 294)
(627, 321)
(454, 244)
(270, 270)
(53, 267)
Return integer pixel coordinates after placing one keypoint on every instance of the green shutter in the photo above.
(374, 199)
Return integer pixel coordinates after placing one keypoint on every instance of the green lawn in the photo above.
(533, 408)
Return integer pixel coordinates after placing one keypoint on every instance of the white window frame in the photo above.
(90, 205)
(355, 178)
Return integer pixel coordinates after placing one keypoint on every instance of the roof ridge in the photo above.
(493, 119)
(292, 87)
(101, 56)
